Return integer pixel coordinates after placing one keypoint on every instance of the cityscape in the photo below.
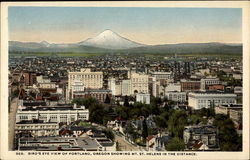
(113, 93)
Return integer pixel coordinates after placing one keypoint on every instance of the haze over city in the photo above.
(144, 25)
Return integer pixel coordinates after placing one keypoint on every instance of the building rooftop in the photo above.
(201, 129)
(59, 143)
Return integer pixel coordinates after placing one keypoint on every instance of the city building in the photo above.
(216, 87)
(187, 86)
(198, 100)
(47, 85)
(29, 78)
(176, 96)
(234, 111)
(139, 83)
(173, 87)
(238, 90)
(87, 77)
(205, 82)
(59, 144)
(126, 87)
(99, 94)
(77, 86)
(58, 114)
(37, 128)
(162, 75)
(111, 85)
(201, 137)
(143, 98)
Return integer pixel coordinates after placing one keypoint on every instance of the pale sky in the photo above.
(144, 25)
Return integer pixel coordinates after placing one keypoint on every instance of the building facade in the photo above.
(187, 86)
(201, 137)
(139, 83)
(209, 81)
(53, 114)
(143, 98)
(198, 100)
(37, 128)
(87, 77)
(176, 96)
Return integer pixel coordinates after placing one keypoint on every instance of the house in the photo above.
(201, 137)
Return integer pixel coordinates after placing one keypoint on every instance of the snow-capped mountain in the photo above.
(110, 40)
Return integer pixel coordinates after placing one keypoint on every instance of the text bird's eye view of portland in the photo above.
(125, 79)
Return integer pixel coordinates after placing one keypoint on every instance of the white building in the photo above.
(162, 75)
(209, 81)
(176, 96)
(38, 128)
(47, 85)
(205, 71)
(53, 114)
(89, 79)
(42, 79)
(198, 100)
(118, 88)
(111, 85)
(173, 87)
(139, 83)
(143, 98)
(77, 86)
(126, 88)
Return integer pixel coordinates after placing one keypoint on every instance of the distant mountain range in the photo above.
(111, 42)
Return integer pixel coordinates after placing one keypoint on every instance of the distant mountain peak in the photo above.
(110, 40)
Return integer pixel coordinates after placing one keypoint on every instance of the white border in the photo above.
(5, 154)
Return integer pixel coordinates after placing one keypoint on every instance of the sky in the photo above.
(144, 25)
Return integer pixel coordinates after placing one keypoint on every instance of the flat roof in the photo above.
(81, 142)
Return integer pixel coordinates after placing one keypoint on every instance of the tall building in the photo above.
(77, 86)
(93, 80)
(111, 85)
(198, 100)
(190, 85)
(126, 88)
(139, 83)
(29, 78)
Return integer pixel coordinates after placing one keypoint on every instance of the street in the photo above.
(126, 146)
(12, 120)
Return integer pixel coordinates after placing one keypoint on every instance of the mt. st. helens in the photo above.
(110, 40)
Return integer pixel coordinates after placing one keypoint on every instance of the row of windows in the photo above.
(217, 101)
(52, 118)
(86, 76)
(37, 127)
(139, 80)
(212, 82)
(140, 85)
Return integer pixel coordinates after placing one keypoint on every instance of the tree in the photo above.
(107, 99)
(176, 123)
(85, 101)
(176, 144)
(144, 130)
(126, 101)
(96, 113)
(228, 137)
(109, 134)
(122, 112)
